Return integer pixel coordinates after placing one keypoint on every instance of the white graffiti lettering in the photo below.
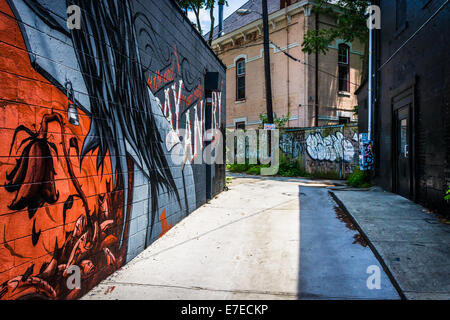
(332, 148)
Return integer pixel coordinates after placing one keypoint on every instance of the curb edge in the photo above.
(371, 246)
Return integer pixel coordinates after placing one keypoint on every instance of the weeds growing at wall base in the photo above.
(359, 179)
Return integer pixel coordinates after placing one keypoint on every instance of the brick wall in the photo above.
(88, 178)
(422, 67)
(293, 83)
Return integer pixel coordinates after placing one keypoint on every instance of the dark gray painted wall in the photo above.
(425, 60)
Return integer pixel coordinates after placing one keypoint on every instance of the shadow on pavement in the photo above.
(333, 265)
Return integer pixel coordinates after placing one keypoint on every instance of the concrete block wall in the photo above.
(88, 178)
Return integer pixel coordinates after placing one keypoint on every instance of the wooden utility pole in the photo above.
(265, 15)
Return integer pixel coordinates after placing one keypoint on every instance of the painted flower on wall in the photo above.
(33, 177)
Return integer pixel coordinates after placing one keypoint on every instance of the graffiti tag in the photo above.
(332, 148)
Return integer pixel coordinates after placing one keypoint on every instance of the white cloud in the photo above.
(204, 19)
(233, 5)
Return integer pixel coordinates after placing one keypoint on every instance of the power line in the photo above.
(307, 64)
(413, 35)
(291, 57)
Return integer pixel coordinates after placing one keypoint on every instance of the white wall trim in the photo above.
(239, 57)
(329, 118)
(235, 121)
(254, 122)
(240, 120)
(346, 114)
(339, 41)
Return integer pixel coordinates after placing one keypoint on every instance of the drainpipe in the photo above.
(221, 4)
(316, 99)
(287, 66)
(370, 86)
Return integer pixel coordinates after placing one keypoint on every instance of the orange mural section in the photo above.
(56, 210)
(164, 225)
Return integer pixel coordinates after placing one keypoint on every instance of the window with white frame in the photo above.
(344, 68)
(240, 79)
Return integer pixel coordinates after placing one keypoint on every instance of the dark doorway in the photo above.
(402, 151)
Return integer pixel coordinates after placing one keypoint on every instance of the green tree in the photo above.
(210, 4)
(196, 6)
(350, 17)
(279, 122)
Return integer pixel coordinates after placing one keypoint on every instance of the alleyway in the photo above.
(262, 239)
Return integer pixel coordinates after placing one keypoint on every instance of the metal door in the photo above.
(402, 152)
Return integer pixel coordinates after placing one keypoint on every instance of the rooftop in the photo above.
(234, 21)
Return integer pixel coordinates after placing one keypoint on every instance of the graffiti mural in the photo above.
(87, 180)
(290, 145)
(366, 157)
(327, 150)
(331, 148)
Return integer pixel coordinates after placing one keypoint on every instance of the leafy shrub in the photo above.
(359, 179)
(447, 197)
(255, 169)
(238, 168)
(279, 122)
(290, 168)
(287, 168)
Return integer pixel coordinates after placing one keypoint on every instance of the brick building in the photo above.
(319, 88)
(411, 128)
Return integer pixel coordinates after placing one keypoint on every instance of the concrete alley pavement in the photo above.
(412, 242)
(265, 238)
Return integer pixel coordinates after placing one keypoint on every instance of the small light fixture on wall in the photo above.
(72, 111)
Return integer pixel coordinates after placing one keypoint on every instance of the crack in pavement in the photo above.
(288, 294)
(302, 295)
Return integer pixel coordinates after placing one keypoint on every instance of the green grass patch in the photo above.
(253, 169)
(291, 169)
(326, 175)
(238, 168)
(359, 179)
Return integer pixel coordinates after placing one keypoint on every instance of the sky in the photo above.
(233, 5)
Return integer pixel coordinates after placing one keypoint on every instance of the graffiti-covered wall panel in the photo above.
(103, 122)
(324, 152)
